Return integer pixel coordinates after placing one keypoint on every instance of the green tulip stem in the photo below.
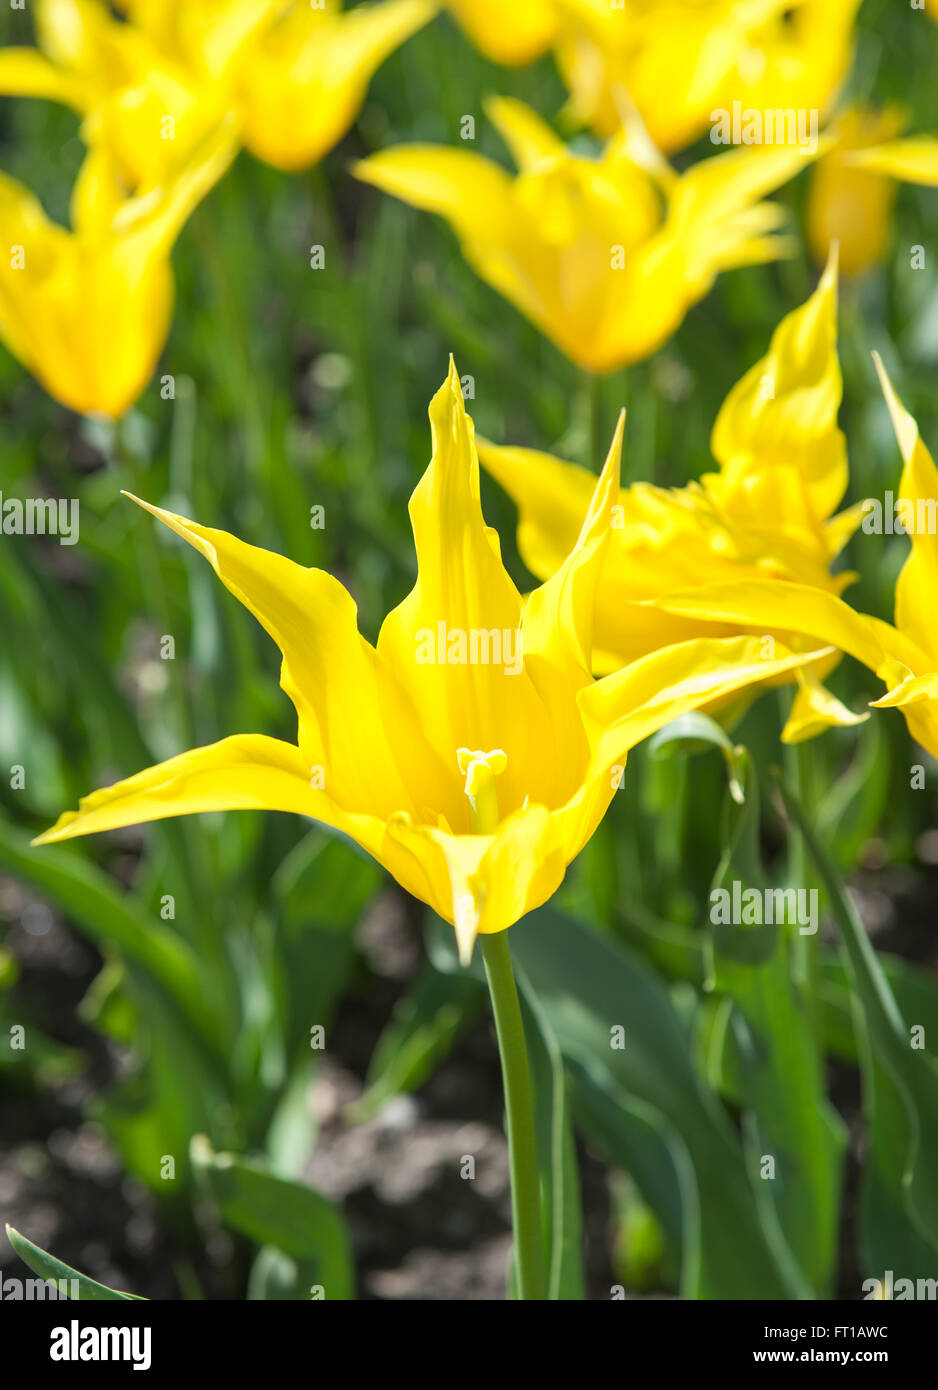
(481, 770)
(519, 1109)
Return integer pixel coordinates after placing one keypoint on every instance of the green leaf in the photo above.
(779, 1063)
(900, 1181)
(421, 1032)
(107, 917)
(560, 1181)
(916, 994)
(692, 732)
(272, 1210)
(660, 1121)
(63, 1276)
(320, 891)
(179, 1090)
(851, 810)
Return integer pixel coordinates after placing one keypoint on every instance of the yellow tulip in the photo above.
(677, 61)
(470, 751)
(87, 311)
(847, 202)
(911, 161)
(297, 74)
(602, 255)
(294, 76)
(204, 36)
(511, 34)
(136, 101)
(767, 512)
(905, 655)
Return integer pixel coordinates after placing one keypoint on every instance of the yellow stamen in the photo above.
(480, 770)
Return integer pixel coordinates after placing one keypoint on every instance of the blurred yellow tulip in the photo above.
(135, 100)
(768, 512)
(603, 255)
(849, 203)
(87, 311)
(511, 34)
(303, 83)
(165, 99)
(296, 73)
(294, 76)
(679, 61)
(911, 161)
(400, 745)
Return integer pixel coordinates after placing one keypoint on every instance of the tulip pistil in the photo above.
(480, 771)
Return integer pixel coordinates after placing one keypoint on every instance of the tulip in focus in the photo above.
(767, 513)
(474, 778)
(603, 255)
(904, 655)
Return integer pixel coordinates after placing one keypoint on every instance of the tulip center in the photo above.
(480, 770)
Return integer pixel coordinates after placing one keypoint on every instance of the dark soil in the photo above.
(420, 1230)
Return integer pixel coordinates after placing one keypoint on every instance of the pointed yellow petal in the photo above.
(302, 86)
(552, 497)
(815, 709)
(484, 883)
(97, 194)
(626, 707)
(247, 772)
(25, 72)
(558, 617)
(80, 35)
(785, 607)
(783, 413)
(629, 705)
(329, 671)
(713, 223)
(558, 626)
(529, 138)
(712, 191)
(913, 690)
(455, 644)
(913, 161)
(917, 584)
(151, 223)
(471, 192)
